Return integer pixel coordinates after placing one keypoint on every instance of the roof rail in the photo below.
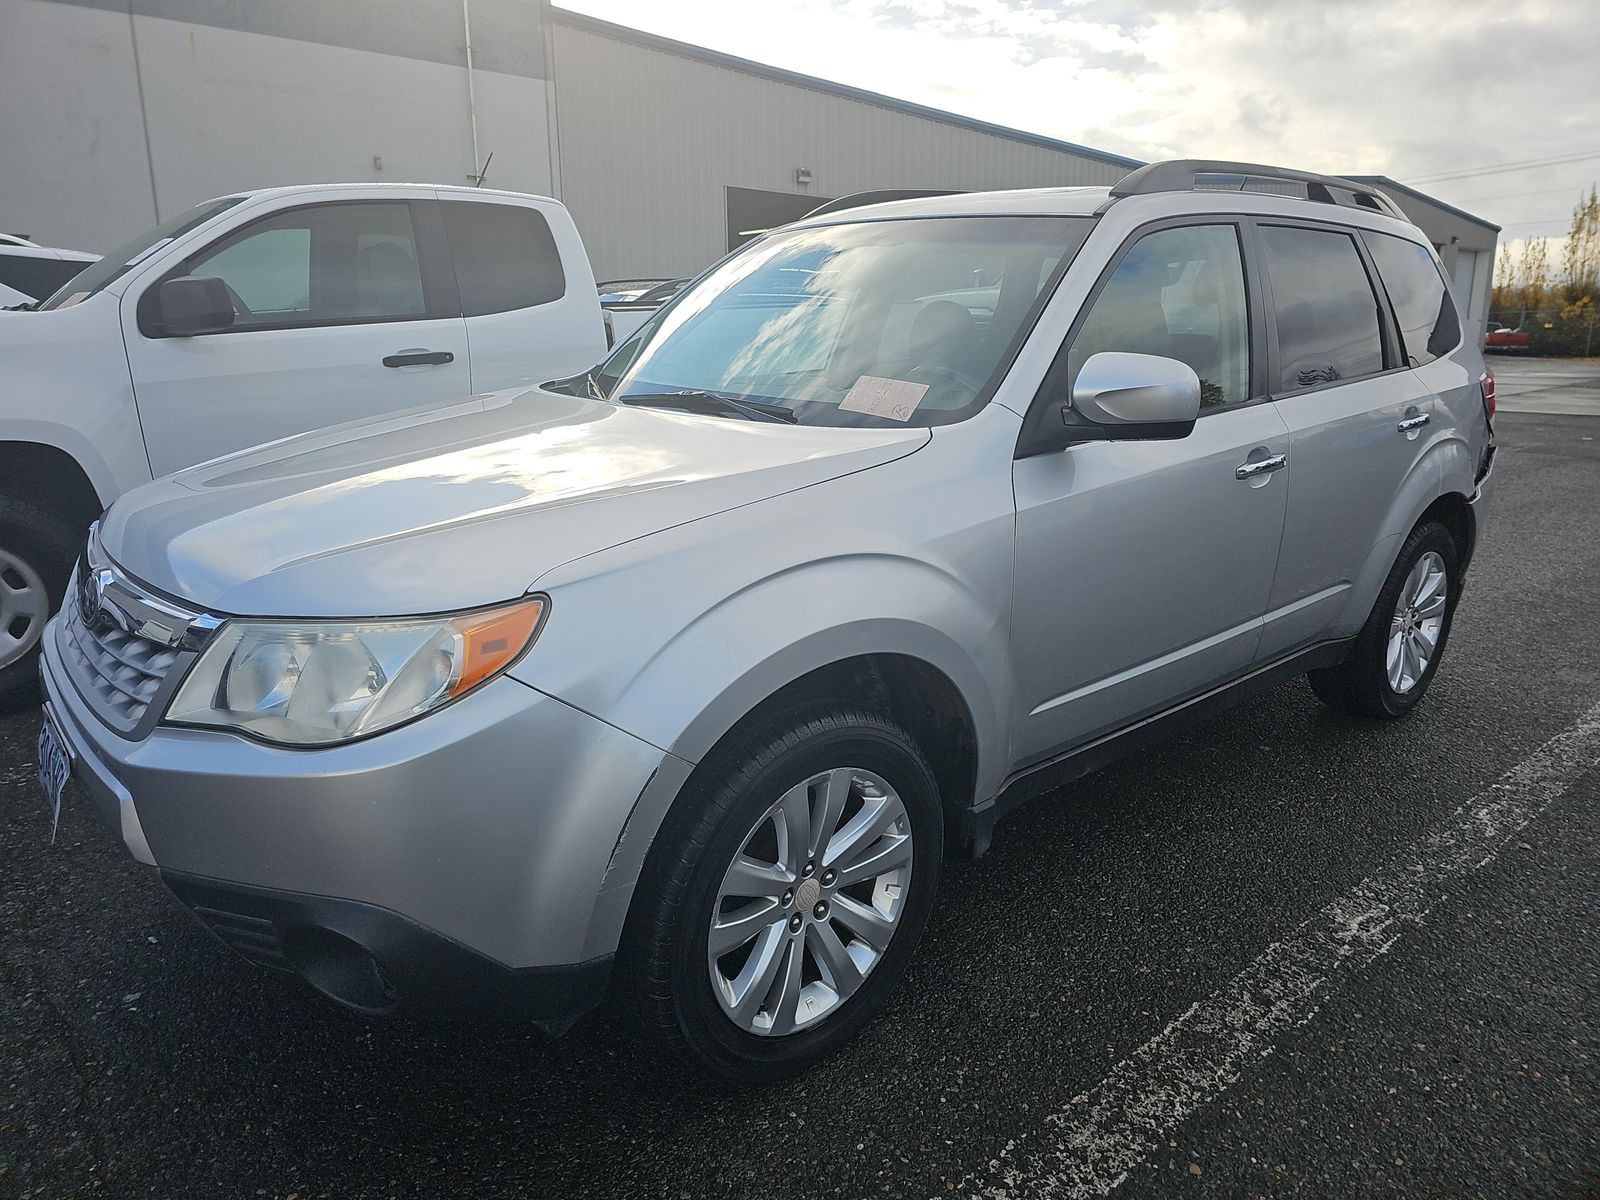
(883, 196)
(1181, 175)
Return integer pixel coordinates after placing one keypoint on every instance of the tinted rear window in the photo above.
(1422, 306)
(1327, 312)
(36, 276)
(505, 257)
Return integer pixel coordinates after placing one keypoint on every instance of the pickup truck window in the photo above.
(910, 321)
(320, 265)
(114, 265)
(36, 274)
(505, 256)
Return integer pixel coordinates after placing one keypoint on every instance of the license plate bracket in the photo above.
(55, 767)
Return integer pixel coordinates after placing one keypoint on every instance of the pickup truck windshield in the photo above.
(909, 321)
(114, 265)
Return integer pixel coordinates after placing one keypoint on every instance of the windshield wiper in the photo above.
(696, 400)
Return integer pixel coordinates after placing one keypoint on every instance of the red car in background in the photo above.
(1503, 337)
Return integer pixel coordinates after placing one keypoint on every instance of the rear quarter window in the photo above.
(505, 257)
(1423, 310)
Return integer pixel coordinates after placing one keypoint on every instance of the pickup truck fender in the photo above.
(64, 384)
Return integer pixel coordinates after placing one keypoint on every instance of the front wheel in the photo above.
(1398, 650)
(785, 896)
(37, 550)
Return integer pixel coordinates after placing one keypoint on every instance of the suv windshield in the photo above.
(909, 321)
(114, 265)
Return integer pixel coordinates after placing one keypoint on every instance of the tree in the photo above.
(1504, 294)
(1533, 273)
(1580, 257)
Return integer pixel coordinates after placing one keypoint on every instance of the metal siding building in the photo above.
(115, 114)
(652, 133)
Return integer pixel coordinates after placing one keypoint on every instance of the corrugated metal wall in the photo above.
(648, 140)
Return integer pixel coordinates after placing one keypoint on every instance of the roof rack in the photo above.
(882, 196)
(1182, 175)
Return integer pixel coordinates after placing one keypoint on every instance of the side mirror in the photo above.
(1133, 397)
(194, 304)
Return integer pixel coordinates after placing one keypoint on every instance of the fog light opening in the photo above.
(341, 969)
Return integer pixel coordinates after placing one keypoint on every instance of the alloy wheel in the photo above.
(1418, 618)
(810, 902)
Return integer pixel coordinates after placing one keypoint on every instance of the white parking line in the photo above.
(1089, 1147)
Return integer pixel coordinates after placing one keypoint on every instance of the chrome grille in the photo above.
(119, 673)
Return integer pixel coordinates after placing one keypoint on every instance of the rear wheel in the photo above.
(783, 901)
(1398, 650)
(37, 550)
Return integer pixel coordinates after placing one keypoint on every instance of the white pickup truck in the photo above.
(260, 315)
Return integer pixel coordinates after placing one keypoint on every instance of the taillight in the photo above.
(1486, 386)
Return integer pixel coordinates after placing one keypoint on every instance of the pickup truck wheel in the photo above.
(1398, 650)
(37, 551)
(785, 899)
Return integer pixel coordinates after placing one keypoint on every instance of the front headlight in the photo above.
(316, 683)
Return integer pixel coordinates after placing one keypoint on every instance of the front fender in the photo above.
(64, 383)
(718, 702)
(675, 637)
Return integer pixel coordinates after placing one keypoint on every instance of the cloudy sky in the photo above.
(1414, 89)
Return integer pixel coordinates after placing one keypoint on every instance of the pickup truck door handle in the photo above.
(1261, 466)
(1416, 422)
(418, 358)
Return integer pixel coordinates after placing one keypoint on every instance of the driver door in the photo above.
(344, 310)
(1143, 568)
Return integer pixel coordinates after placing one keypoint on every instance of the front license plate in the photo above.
(55, 766)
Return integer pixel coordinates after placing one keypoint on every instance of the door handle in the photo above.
(418, 358)
(1416, 422)
(1261, 466)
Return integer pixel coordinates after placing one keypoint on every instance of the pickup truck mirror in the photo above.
(193, 304)
(1133, 397)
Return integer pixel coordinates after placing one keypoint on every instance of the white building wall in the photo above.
(648, 140)
(73, 170)
(228, 109)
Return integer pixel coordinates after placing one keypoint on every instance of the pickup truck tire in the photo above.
(37, 550)
(1412, 618)
(841, 773)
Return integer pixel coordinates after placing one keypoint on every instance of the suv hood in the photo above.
(450, 507)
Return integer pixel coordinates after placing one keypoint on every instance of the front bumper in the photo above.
(471, 845)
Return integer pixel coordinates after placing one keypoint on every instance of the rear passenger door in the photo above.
(1355, 413)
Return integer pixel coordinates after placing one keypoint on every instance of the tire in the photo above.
(1362, 685)
(738, 794)
(37, 550)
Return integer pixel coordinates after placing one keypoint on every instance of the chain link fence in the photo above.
(1558, 331)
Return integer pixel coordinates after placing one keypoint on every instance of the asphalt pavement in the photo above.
(1286, 954)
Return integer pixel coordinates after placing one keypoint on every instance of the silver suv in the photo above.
(682, 675)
